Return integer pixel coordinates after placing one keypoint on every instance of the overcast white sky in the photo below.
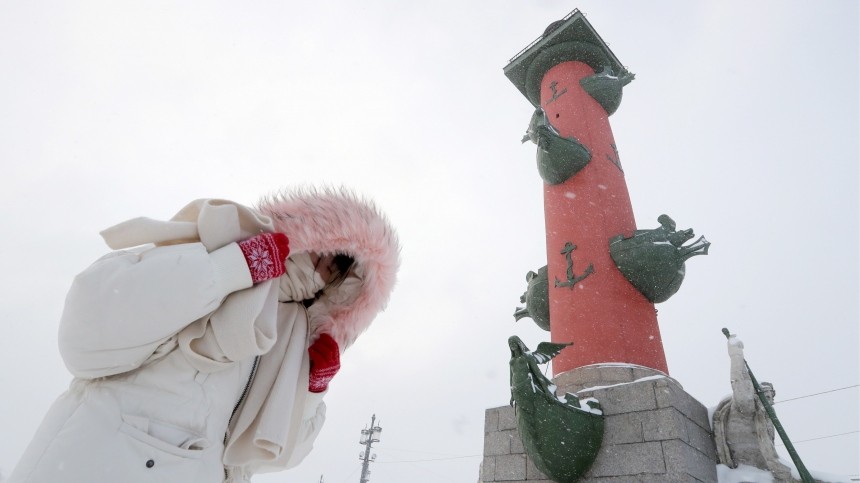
(742, 123)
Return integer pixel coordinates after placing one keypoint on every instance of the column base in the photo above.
(655, 431)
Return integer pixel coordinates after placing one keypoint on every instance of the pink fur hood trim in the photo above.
(329, 221)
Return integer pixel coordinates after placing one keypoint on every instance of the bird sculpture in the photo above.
(558, 158)
(561, 434)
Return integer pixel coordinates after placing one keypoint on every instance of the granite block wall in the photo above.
(655, 431)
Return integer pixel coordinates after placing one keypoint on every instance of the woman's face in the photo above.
(324, 265)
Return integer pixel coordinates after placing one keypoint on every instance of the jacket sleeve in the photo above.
(128, 303)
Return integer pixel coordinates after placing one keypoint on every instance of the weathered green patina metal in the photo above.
(536, 298)
(653, 260)
(569, 39)
(561, 434)
(805, 476)
(558, 158)
(572, 279)
(606, 87)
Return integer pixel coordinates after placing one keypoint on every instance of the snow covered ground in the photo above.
(749, 474)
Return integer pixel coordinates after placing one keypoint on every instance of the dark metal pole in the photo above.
(801, 468)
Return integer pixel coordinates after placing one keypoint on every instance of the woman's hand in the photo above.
(325, 362)
(265, 255)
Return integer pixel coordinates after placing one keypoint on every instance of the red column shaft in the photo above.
(603, 314)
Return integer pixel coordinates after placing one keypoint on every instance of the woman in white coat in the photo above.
(198, 353)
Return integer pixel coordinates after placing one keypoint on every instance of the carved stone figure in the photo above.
(743, 433)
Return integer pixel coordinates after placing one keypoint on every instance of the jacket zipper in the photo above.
(242, 397)
(238, 404)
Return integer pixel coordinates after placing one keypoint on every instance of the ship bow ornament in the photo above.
(561, 434)
(606, 87)
(558, 158)
(653, 260)
(536, 298)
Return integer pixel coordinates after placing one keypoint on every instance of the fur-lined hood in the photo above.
(337, 221)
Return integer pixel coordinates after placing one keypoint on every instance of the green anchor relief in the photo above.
(536, 296)
(572, 279)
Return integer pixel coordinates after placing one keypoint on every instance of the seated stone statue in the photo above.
(743, 433)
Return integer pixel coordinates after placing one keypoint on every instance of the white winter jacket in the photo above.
(184, 370)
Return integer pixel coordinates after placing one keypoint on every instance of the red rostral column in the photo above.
(586, 202)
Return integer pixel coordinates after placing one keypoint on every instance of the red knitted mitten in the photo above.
(265, 255)
(325, 362)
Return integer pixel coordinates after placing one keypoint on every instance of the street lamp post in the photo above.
(368, 437)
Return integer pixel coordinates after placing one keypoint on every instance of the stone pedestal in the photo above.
(655, 431)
